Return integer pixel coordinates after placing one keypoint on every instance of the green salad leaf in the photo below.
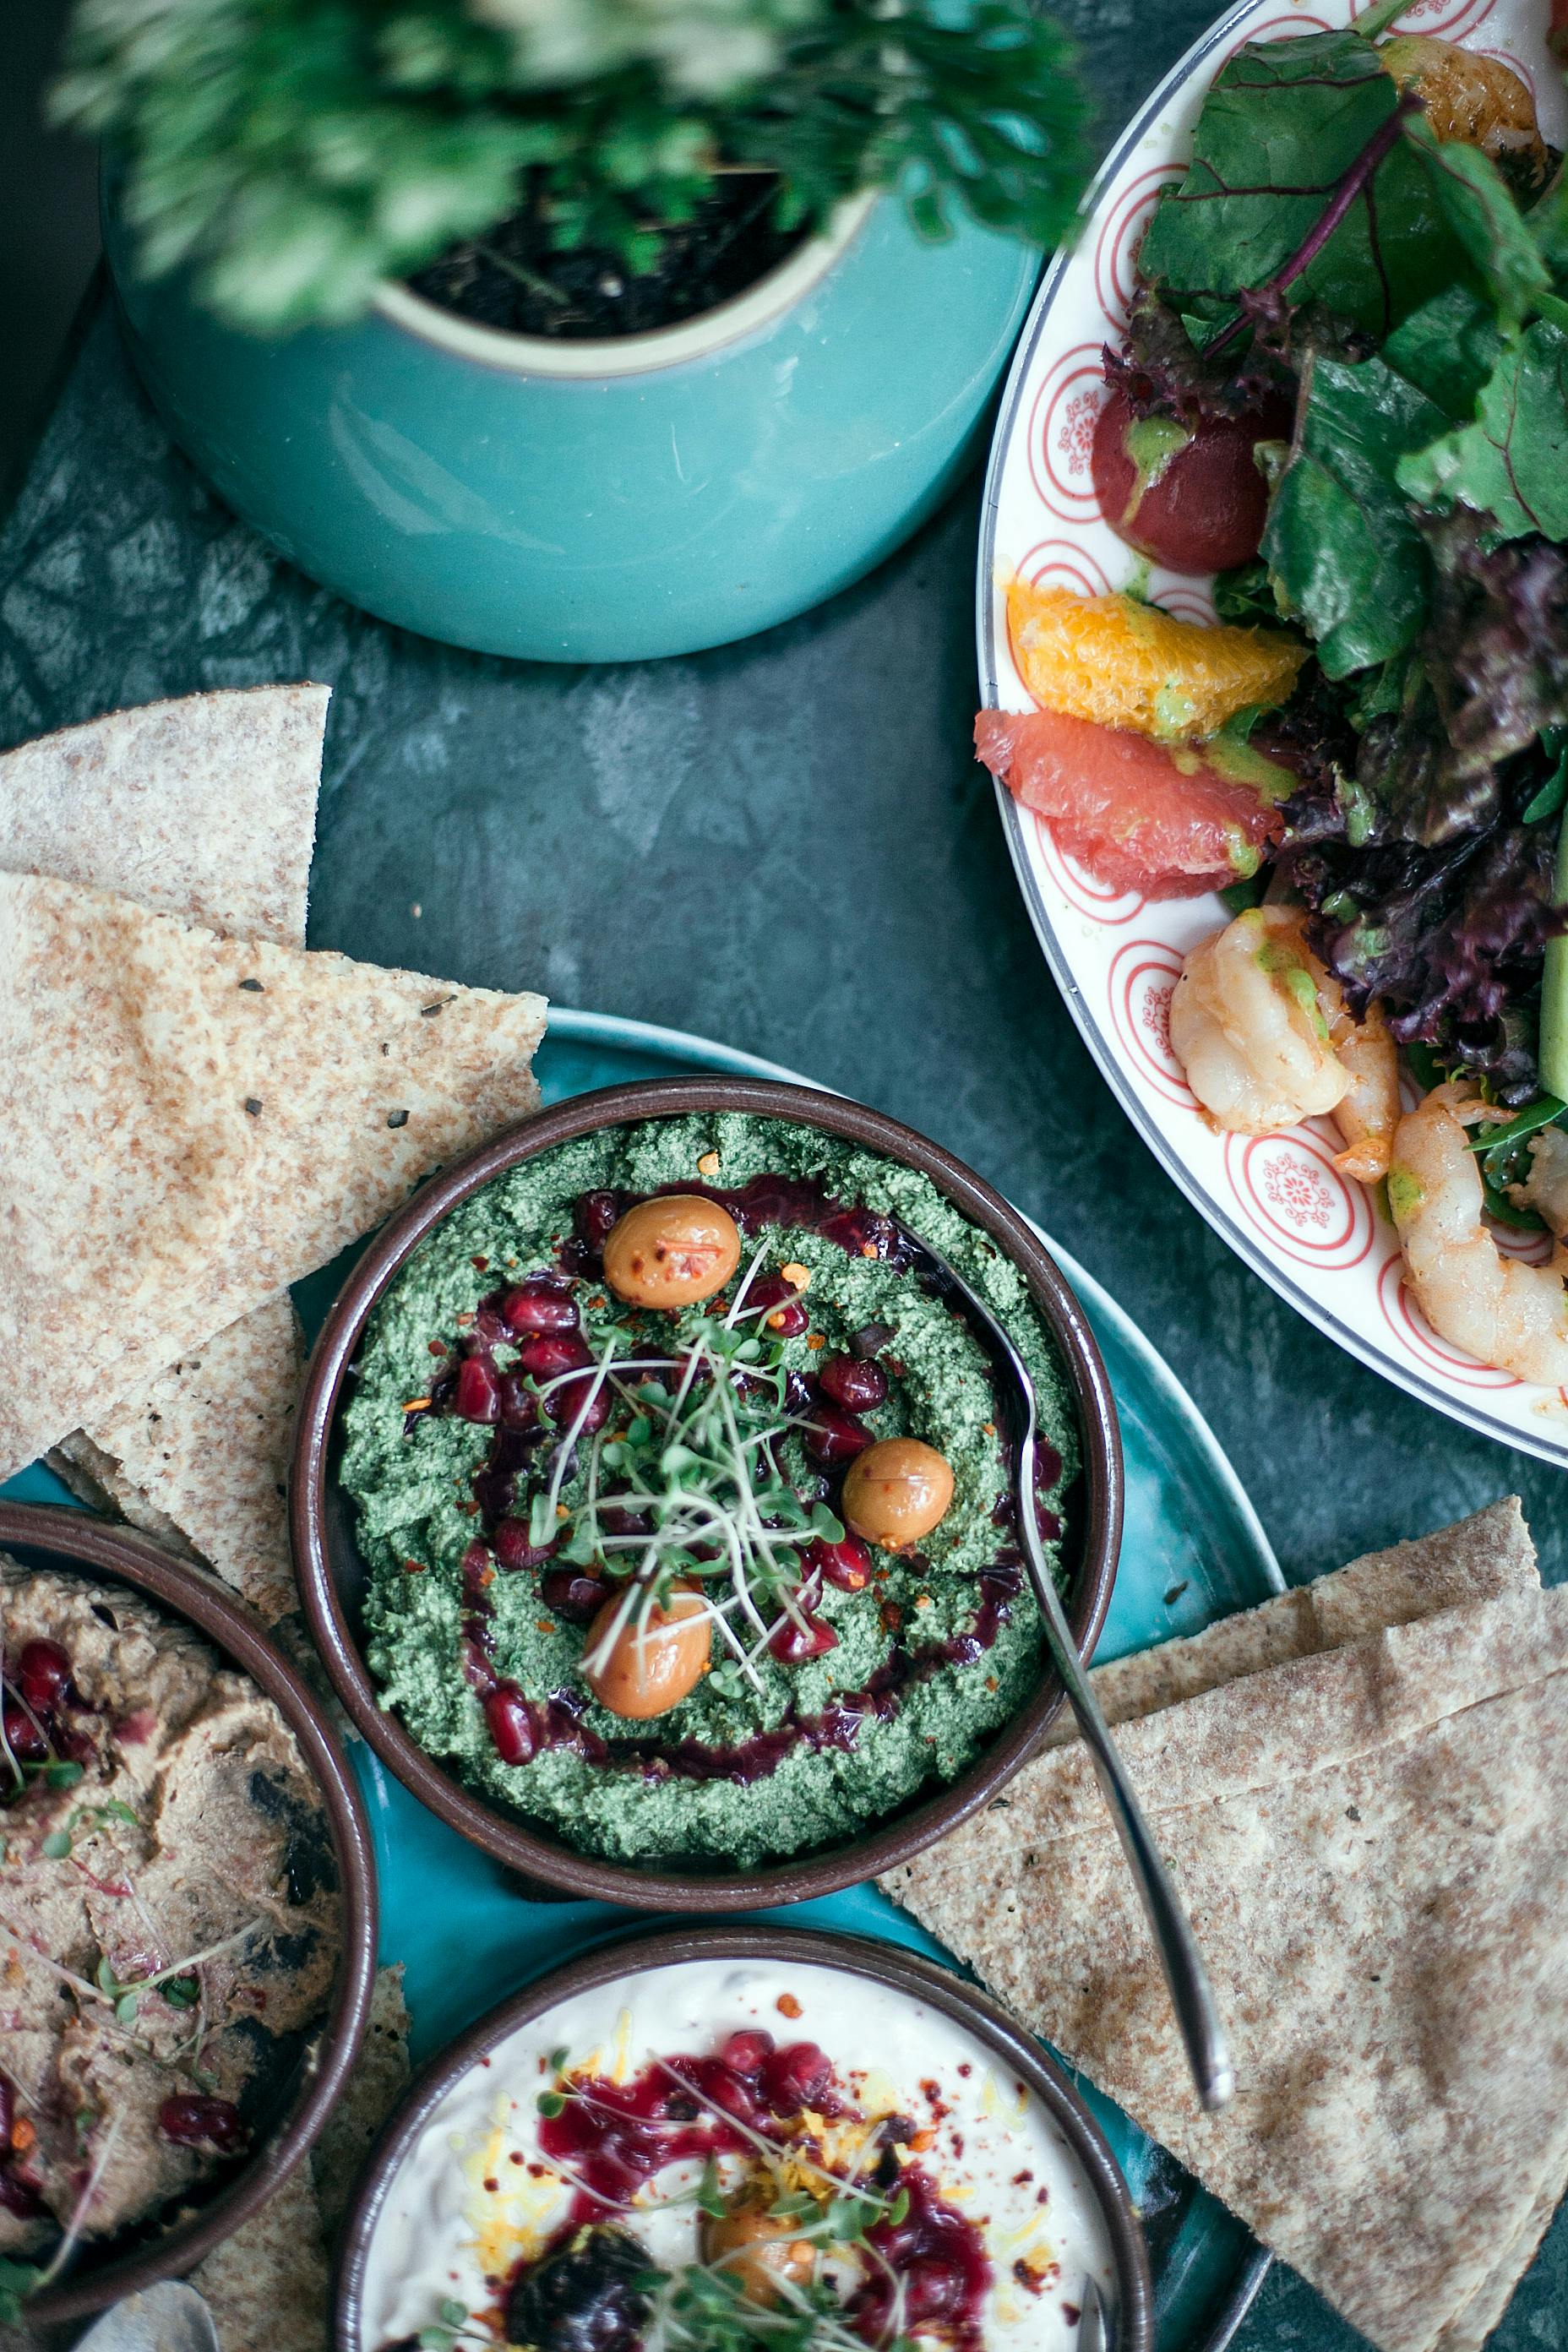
(1283, 126)
(1448, 348)
(1512, 461)
(1481, 209)
(1340, 539)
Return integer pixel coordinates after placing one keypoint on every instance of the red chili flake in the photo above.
(437, 1346)
(492, 2186)
(787, 2005)
(891, 1615)
(463, 1322)
(471, 1511)
(544, 1625)
(482, 1262)
(518, 2156)
(1071, 2314)
(1020, 2180)
(1029, 2279)
(965, 2070)
(413, 1568)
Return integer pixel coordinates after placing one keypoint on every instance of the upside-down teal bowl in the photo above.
(604, 501)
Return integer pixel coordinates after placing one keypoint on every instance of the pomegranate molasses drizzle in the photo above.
(522, 1726)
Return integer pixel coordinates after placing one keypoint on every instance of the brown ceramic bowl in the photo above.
(883, 1964)
(72, 1541)
(333, 1575)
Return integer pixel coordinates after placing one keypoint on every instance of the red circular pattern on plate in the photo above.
(1120, 234)
(1296, 1197)
(1099, 900)
(1142, 976)
(1452, 19)
(1535, 1249)
(1063, 564)
(1061, 433)
(1418, 1339)
(1187, 604)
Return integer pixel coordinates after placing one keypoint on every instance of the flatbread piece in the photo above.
(188, 1124)
(1372, 1844)
(199, 1458)
(205, 806)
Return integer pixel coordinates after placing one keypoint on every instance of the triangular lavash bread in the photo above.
(1478, 1558)
(1372, 1844)
(199, 1457)
(204, 807)
(189, 1123)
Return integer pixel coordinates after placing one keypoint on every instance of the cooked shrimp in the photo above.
(1368, 1111)
(1545, 1188)
(1266, 1039)
(1504, 1310)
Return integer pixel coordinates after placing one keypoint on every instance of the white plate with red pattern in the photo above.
(1319, 1238)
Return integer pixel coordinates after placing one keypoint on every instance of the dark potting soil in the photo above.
(509, 278)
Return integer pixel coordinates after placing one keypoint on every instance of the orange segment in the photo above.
(1123, 663)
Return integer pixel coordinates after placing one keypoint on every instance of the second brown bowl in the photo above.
(333, 1574)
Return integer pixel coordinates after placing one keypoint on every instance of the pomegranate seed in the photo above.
(833, 1435)
(513, 1548)
(44, 1675)
(541, 1304)
(744, 2052)
(578, 1599)
(795, 2077)
(23, 1737)
(547, 1354)
(859, 1387)
(846, 1564)
(788, 1318)
(596, 1217)
(519, 1406)
(479, 1391)
(719, 2084)
(1047, 1464)
(193, 2122)
(511, 1725)
(19, 2197)
(791, 1645)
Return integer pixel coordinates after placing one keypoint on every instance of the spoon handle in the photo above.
(1191, 1995)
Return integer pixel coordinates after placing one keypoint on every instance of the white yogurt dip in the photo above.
(476, 2197)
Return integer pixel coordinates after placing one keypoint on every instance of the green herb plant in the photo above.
(295, 152)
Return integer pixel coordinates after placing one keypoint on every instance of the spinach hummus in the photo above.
(689, 1527)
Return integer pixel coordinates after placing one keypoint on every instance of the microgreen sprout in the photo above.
(691, 1458)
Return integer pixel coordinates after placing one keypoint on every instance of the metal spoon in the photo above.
(1094, 2330)
(170, 2318)
(1191, 1997)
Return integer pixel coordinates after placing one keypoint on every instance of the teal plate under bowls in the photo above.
(1192, 1551)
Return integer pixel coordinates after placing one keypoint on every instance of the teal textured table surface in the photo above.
(786, 845)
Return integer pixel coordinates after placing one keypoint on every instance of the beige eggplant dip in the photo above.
(689, 1522)
(169, 1914)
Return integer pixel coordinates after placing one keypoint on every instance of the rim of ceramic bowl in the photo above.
(593, 358)
(901, 1971)
(57, 1537)
(327, 1561)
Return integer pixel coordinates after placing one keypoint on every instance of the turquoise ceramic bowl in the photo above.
(602, 501)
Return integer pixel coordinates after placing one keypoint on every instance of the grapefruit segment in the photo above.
(1125, 664)
(1163, 819)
